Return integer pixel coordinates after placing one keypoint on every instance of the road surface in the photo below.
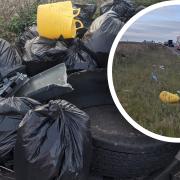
(174, 50)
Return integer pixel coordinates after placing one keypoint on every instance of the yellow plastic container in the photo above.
(168, 97)
(58, 19)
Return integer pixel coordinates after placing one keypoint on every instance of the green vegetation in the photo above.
(25, 17)
(5, 33)
(15, 15)
(147, 2)
(139, 93)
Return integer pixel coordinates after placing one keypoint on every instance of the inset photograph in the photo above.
(146, 71)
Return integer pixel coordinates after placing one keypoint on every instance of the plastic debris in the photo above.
(9, 86)
(154, 76)
(168, 97)
(47, 85)
(162, 67)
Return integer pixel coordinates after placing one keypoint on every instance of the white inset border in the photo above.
(110, 74)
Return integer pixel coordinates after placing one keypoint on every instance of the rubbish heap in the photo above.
(41, 135)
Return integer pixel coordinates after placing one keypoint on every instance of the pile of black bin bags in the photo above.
(46, 142)
(52, 141)
(90, 50)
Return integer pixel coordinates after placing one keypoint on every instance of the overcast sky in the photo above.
(158, 25)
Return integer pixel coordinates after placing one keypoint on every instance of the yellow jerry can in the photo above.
(58, 19)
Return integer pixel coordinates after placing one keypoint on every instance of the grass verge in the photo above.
(138, 92)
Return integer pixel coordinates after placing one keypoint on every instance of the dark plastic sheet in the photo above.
(47, 85)
(9, 58)
(78, 57)
(101, 35)
(12, 111)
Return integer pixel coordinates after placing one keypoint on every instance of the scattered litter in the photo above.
(154, 76)
(162, 67)
(126, 90)
(168, 97)
(53, 143)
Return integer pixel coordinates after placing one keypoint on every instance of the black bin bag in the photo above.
(8, 55)
(101, 35)
(41, 54)
(79, 57)
(53, 143)
(9, 58)
(28, 34)
(12, 111)
(86, 16)
(87, 13)
(124, 9)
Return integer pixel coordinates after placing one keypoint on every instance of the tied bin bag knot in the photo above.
(53, 142)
